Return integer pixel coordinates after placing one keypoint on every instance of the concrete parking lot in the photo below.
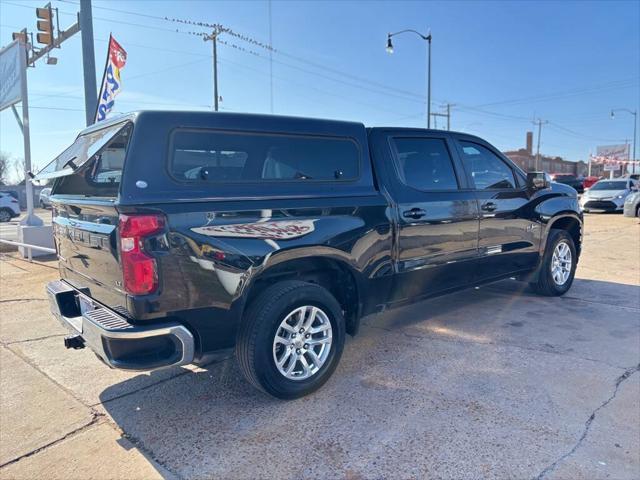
(489, 383)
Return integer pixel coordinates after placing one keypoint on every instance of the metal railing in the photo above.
(29, 247)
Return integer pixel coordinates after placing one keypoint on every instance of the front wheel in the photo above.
(5, 215)
(291, 339)
(558, 266)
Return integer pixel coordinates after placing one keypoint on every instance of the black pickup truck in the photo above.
(181, 234)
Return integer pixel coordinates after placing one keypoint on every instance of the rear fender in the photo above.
(316, 253)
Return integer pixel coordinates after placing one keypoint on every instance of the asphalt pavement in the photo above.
(494, 382)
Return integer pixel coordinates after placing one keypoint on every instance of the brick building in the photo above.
(526, 159)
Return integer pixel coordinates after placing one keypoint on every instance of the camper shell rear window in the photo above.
(93, 165)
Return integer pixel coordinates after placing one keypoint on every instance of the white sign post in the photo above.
(13, 89)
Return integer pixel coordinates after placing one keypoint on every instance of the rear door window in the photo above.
(216, 156)
(425, 163)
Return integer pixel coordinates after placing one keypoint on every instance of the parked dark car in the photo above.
(569, 179)
(190, 233)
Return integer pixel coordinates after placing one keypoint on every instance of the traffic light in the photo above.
(21, 36)
(45, 25)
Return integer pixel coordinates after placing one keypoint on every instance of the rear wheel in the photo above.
(558, 266)
(5, 214)
(291, 339)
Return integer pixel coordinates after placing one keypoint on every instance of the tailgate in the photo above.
(87, 244)
(86, 180)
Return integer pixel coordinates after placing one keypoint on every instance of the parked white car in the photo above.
(9, 207)
(44, 198)
(608, 195)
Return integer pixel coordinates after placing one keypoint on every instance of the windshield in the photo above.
(610, 186)
(85, 147)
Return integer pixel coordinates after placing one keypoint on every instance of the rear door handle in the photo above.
(414, 213)
(489, 207)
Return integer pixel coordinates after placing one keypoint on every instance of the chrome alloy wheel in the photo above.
(561, 263)
(302, 342)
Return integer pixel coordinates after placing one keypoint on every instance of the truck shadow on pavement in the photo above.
(472, 367)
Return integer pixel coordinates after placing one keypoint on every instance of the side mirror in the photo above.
(538, 181)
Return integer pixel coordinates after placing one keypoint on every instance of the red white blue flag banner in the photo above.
(607, 160)
(111, 84)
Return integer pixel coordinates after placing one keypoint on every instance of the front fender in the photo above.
(553, 210)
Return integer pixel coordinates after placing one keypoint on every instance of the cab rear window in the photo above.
(216, 156)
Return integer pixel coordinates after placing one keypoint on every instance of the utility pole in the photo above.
(217, 30)
(448, 115)
(270, 61)
(215, 72)
(429, 82)
(539, 123)
(88, 61)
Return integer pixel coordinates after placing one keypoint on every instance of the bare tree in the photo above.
(18, 170)
(4, 167)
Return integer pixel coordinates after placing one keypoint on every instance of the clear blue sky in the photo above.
(501, 63)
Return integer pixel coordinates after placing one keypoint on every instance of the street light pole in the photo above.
(427, 38)
(635, 127)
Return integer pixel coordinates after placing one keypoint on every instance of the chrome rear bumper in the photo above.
(117, 342)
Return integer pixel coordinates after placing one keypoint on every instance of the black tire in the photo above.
(5, 215)
(42, 205)
(261, 322)
(546, 285)
(638, 211)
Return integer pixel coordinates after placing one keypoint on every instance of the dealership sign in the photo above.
(10, 75)
(613, 157)
(614, 152)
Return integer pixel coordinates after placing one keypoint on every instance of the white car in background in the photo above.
(9, 207)
(44, 198)
(608, 195)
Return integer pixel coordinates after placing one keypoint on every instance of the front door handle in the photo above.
(489, 207)
(414, 213)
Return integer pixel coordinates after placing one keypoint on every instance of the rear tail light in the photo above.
(139, 270)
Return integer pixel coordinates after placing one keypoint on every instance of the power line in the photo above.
(378, 88)
(580, 135)
(253, 41)
(613, 85)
